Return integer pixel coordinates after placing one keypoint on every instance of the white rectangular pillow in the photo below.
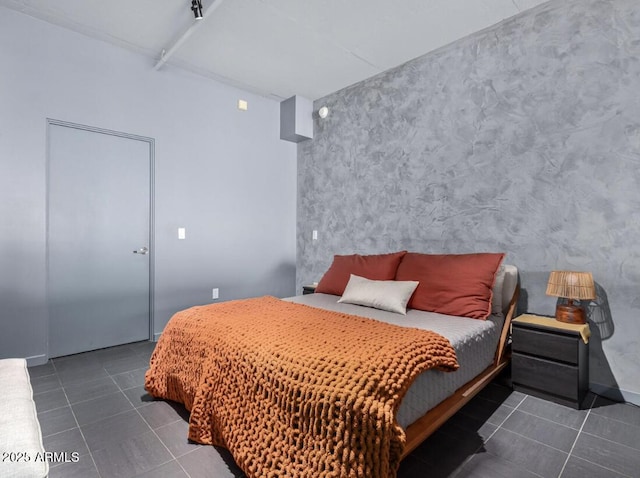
(390, 295)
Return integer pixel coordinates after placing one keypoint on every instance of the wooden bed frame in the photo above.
(426, 425)
(423, 427)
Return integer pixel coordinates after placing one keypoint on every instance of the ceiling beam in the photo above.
(167, 53)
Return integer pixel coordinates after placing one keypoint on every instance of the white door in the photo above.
(99, 216)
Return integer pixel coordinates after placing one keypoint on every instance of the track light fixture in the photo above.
(196, 8)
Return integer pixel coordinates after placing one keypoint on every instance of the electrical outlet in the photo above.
(215, 293)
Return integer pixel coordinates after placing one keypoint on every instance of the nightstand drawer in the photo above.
(545, 375)
(549, 345)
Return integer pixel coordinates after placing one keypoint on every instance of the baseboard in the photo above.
(615, 394)
(36, 360)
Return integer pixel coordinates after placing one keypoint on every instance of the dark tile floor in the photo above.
(94, 404)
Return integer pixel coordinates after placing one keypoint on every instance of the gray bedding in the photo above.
(474, 341)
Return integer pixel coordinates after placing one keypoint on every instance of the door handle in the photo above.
(143, 250)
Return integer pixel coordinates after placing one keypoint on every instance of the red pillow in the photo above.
(373, 267)
(452, 284)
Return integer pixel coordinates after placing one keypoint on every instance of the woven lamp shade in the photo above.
(571, 285)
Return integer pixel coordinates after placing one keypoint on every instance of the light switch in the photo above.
(314, 235)
(243, 105)
(182, 233)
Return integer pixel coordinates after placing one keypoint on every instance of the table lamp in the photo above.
(571, 285)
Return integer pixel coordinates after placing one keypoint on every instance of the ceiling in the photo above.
(277, 48)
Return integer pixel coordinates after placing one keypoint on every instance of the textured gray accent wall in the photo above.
(523, 138)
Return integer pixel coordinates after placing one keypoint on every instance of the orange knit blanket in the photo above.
(293, 390)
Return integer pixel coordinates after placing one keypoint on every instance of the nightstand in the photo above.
(550, 359)
(309, 289)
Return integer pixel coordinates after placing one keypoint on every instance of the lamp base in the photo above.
(571, 314)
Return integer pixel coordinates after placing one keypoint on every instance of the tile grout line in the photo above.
(612, 418)
(173, 457)
(536, 441)
(515, 433)
(160, 440)
(548, 420)
(120, 390)
(610, 441)
(69, 404)
(506, 418)
(573, 445)
(95, 466)
(513, 409)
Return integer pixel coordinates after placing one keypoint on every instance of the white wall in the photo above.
(223, 174)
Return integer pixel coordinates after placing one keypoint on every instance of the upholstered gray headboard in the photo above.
(509, 285)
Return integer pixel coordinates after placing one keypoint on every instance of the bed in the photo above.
(480, 348)
(464, 354)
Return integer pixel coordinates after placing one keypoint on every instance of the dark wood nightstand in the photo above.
(309, 289)
(550, 359)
